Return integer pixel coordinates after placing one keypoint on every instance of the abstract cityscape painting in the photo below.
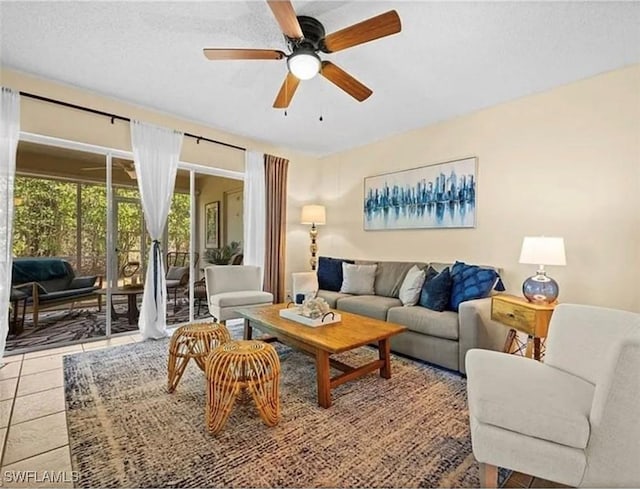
(435, 196)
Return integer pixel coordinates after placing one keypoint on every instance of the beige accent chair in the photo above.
(574, 419)
(230, 287)
(304, 283)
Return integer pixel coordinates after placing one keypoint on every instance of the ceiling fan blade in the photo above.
(287, 90)
(94, 168)
(286, 16)
(345, 81)
(368, 30)
(216, 54)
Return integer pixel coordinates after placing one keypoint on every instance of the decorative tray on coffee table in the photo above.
(293, 313)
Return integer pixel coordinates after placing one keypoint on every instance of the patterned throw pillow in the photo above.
(436, 290)
(330, 273)
(472, 282)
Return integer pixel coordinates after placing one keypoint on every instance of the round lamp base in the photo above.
(540, 289)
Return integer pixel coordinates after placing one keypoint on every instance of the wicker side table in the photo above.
(195, 341)
(237, 366)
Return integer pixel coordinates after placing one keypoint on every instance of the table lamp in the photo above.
(314, 215)
(542, 251)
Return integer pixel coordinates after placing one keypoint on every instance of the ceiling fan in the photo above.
(306, 38)
(124, 165)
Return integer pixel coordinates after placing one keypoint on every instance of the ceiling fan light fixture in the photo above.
(304, 65)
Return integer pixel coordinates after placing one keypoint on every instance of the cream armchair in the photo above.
(230, 287)
(574, 419)
(304, 283)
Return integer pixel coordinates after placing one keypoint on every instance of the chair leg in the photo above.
(488, 476)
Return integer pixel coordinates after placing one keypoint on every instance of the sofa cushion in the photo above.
(241, 298)
(436, 291)
(82, 282)
(57, 284)
(172, 284)
(412, 286)
(372, 306)
(332, 297)
(425, 321)
(471, 282)
(358, 279)
(63, 294)
(177, 273)
(548, 403)
(330, 273)
(390, 275)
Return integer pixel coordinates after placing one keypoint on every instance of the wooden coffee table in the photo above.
(321, 342)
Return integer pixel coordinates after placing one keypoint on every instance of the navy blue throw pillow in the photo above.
(330, 273)
(471, 282)
(436, 290)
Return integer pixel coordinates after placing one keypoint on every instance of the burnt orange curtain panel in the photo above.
(275, 172)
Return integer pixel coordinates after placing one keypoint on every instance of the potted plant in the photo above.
(222, 256)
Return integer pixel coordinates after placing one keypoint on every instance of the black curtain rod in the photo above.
(120, 118)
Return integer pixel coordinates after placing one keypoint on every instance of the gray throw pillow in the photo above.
(358, 279)
(176, 273)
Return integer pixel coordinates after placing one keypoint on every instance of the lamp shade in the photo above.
(540, 250)
(304, 64)
(313, 214)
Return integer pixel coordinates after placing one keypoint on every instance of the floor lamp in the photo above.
(316, 216)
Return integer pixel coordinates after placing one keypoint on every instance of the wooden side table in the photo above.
(527, 317)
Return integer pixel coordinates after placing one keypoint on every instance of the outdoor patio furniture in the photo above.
(19, 304)
(177, 276)
(52, 281)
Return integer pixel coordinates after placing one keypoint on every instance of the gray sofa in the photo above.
(441, 338)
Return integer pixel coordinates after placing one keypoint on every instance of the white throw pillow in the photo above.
(412, 286)
(358, 279)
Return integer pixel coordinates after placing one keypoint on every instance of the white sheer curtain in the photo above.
(9, 135)
(254, 210)
(156, 152)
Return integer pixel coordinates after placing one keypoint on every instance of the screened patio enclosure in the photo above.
(81, 221)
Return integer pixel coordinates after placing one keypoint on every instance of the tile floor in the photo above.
(33, 425)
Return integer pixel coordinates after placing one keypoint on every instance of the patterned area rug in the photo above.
(59, 327)
(125, 430)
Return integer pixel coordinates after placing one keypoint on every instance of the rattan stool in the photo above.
(250, 366)
(193, 341)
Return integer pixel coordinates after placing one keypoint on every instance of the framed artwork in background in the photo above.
(212, 225)
(435, 196)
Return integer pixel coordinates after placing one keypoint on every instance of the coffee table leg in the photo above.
(324, 381)
(384, 352)
(248, 330)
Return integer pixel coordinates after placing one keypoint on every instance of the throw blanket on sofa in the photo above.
(37, 269)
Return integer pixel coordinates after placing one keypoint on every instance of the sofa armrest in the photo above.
(83, 282)
(478, 330)
(32, 289)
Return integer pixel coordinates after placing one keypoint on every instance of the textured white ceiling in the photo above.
(450, 58)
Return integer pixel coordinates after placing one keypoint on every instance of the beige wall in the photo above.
(212, 189)
(561, 163)
(53, 120)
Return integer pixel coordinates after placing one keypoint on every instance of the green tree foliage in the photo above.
(46, 221)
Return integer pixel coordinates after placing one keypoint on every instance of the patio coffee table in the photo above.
(352, 332)
(132, 301)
